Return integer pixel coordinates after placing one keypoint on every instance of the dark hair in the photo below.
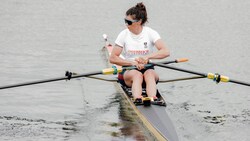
(138, 12)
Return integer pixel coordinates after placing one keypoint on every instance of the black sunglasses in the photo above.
(130, 22)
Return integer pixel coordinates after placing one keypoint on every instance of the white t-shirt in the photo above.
(137, 45)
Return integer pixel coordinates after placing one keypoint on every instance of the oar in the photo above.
(70, 75)
(102, 79)
(160, 81)
(150, 64)
(67, 77)
(215, 77)
(181, 79)
(147, 65)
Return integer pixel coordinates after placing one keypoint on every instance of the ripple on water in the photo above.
(13, 127)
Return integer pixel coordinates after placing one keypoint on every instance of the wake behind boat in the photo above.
(154, 117)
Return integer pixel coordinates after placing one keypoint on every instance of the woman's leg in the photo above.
(150, 78)
(134, 79)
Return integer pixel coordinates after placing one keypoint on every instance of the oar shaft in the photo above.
(182, 70)
(31, 83)
(239, 82)
(150, 64)
(49, 80)
(181, 79)
(208, 75)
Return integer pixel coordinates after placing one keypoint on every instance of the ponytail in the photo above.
(138, 12)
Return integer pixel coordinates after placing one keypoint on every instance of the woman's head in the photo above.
(138, 12)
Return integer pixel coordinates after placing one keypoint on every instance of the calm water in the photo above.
(42, 39)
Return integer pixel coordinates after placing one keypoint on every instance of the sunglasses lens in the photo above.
(128, 22)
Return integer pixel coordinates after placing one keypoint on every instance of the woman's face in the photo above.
(131, 23)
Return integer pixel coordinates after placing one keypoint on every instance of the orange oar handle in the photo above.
(181, 60)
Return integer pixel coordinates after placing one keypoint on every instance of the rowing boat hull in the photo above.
(154, 117)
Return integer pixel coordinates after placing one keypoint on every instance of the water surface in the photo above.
(44, 38)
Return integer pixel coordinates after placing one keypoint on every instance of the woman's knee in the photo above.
(137, 76)
(133, 75)
(150, 74)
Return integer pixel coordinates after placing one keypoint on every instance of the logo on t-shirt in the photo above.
(145, 45)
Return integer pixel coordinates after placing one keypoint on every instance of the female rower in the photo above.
(137, 43)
